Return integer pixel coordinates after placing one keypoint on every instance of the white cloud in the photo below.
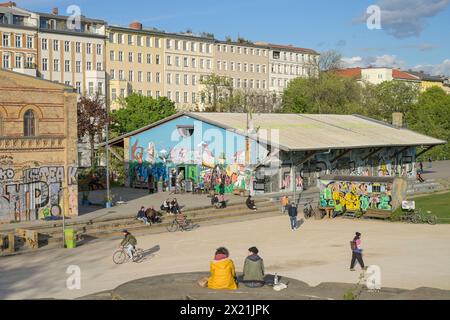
(390, 61)
(435, 69)
(406, 18)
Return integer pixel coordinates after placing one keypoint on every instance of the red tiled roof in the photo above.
(349, 73)
(292, 48)
(397, 74)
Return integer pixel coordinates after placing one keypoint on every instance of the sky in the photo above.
(411, 34)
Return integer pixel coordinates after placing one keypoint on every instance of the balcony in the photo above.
(31, 143)
(95, 75)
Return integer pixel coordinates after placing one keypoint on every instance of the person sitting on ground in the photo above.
(251, 203)
(223, 272)
(253, 276)
(175, 208)
(141, 216)
(153, 216)
(128, 243)
(165, 206)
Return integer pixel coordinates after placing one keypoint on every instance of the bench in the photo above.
(378, 214)
(31, 237)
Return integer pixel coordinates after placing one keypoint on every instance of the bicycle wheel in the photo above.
(173, 227)
(188, 225)
(432, 220)
(119, 257)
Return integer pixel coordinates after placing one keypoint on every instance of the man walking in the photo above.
(293, 213)
(357, 250)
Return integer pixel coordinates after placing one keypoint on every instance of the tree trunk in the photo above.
(92, 143)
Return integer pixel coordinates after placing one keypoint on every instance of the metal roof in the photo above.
(302, 132)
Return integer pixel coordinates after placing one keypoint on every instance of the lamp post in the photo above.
(108, 199)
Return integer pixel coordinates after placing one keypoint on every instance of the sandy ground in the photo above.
(410, 256)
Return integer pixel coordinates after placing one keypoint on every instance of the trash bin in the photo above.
(70, 236)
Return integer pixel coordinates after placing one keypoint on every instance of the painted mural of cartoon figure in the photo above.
(151, 153)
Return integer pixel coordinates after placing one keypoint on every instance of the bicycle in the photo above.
(184, 225)
(308, 210)
(120, 256)
(417, 216)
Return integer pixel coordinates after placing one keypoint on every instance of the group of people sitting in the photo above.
(149, 216)
(218, 201)
(223, 272)
(171, 206)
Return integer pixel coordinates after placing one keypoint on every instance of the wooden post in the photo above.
(11, 242)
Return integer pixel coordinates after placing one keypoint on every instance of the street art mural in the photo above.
(36, 193)
(205, 153)
(356, 196)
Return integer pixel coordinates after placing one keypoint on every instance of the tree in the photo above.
(217, 89)
(330, 60)
(328, 93)
(431, 116)
(139, 111)
(92, 119)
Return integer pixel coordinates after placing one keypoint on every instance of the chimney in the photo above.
(55, 11)
(397, 119)
(136, 25)
(9, 4)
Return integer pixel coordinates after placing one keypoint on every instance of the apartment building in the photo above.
(287, 63)
(19, 39)
(188, 58)
(379, 75)
(135, 60)
(245, 64)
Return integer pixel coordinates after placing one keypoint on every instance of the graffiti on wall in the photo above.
(355, 196)
(38, 194)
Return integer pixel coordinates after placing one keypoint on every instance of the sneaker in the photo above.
(352, 270)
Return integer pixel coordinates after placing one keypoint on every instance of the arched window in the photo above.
(29, 124)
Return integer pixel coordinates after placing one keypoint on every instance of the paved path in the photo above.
(410, 256)
(439, 170)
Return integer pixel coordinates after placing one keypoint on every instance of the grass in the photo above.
(438, 204)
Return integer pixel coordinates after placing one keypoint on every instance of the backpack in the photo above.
(353, 245)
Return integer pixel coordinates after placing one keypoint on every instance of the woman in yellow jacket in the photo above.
(223, 273)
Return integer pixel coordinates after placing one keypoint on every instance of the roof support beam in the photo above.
(372, 153)
(400, 152)
(308, 157)
(424, 151)
(344, 153)
(115, 154)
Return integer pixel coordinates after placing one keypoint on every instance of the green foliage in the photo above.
(139, 111)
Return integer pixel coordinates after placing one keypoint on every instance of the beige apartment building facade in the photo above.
(135, 62)
(188, 59)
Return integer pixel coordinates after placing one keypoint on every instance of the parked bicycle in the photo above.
(120, 256)
(308, 210)
(180, 224)
(417, 216)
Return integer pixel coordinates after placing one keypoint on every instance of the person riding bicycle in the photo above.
(181, 218)
(128, 243)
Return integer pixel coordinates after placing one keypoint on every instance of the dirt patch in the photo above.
(290, 264)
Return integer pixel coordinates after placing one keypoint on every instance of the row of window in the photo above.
(280, 83)
(131, 40)
(114, 93)
(68, 66)
(67, 46)
(239, 50)
(232, 66)
(131, 76)
(202, 63)
(7, 41)
(131, 57)
(290, 69)
(20, 61)
(294, 57)
(187, 46)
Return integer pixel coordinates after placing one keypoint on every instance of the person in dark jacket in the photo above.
(142, 216)
(293, 213)
(253, 276)
(251, 203)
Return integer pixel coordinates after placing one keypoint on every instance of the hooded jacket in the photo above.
(253, 268)
(223, 275)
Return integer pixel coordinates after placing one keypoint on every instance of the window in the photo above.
(67, 66)
(158, 78)
(177, 97)
(44, 44)
(130, 39)
(186, 99)
(78, 47)
(78, 66)
(66, 46)
(158, 94)
(186, 62)
(169, 60)
(148, 42)
(29, 124)
(177, 79)
(157, 42)
(99, 49)
(121, 77)
(149, 93)
(55, 45)
(158, 60)
(6, 40)
(113, 94)
(276, 55)
(99, 66)
(139, 41)
(112, 55)
(186, 80)
(169, 78)
(177, 61)
(120, 56)
(120, 38)
(100, 88)
(149, 58)
(149, 77)
(130, 75)
(130, 56)
(112, 74)
(91, 88)
(18, 64)
(56, 65)
(194, 98)
(89, 66)
(18, 42)
(194, 80)
(202, 63)
(88, 48)
(67, 83)
(78, 86)
(29, 62)
(193, 63)
(168, 44)
(44, 64)
(122, 93)
(139, 57)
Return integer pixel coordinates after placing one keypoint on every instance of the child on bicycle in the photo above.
(128, 243)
